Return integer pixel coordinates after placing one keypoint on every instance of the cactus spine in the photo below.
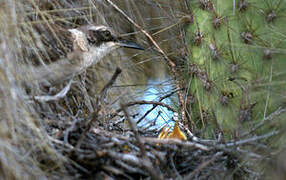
(236, 69)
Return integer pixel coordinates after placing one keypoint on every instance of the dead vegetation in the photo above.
(84, 127)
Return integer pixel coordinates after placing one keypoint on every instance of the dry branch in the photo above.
(202, 166)
(56, 97)
(94, 115)
(155, 105)
(145, 161)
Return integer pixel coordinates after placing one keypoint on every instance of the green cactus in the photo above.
(236, 69)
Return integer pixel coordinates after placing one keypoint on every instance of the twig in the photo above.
(249, 140)
(56, 141)
(171, 64)
(218, 127)
(264, 121)
(183, 144)
(129, 158)
(177, 174)
(156, 141)
(130, 168)
(249, 153)
(155, 174)
(113, 170)
(94, 115)
(56, 97)
(203, 165)
(87, 127)
(155, 105)
(69, 129)
(148, 102)
(102, 93)
(135, 161)
(134, 129)
(268, 91)
(143, 103)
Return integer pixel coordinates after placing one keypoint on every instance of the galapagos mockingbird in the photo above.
(90, 43)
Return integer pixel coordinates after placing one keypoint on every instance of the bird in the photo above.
(97, 41)
(90, 44)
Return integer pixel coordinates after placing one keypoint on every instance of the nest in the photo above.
(100, 147)
(98, 153)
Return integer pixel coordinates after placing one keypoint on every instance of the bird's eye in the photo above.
(106, 35)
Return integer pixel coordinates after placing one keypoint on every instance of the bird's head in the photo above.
(96, 41)
(99, 35)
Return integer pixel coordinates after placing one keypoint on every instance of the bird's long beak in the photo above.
(130, 44)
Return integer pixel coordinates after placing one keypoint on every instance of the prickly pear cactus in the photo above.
(236, 70)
